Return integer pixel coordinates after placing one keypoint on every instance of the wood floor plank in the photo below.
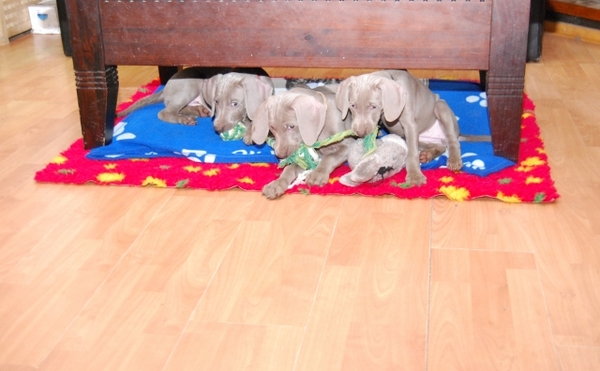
(481, 226)
(487, 313)
(271, 273)
(141, 310)
(569, 265)
(348, 245)
(579, 358)
(46, 284)
(571, 81)
(583, 113)
(325, 341)
(370, 312)
(538, 83)
(211, 346)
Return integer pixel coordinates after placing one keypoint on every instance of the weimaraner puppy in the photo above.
(182, 95)
(234, 97)
(301, 115)
(407, 108)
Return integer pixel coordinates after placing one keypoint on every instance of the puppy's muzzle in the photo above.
(222, 126)
(362, 130)
(285, 150)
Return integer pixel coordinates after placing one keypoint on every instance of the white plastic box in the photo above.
(44, 18)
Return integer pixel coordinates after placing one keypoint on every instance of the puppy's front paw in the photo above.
(187, 120)
(248, 138)
(455, 164)
(275, 189)
(416, 178)
(317, 177)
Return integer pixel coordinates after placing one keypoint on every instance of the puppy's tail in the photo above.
(146, 101)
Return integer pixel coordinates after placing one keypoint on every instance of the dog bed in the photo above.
(143, 135)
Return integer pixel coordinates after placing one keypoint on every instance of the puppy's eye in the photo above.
(291, 127)
(373, 107)
(352, 105)
(234, 104)
(216, 102)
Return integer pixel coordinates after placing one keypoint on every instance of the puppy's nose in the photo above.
(283, 151)
(221, 127)
(361, 130)
(219, 123)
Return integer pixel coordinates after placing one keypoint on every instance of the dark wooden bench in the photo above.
(485, 35)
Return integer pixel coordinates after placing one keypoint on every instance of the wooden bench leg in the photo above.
(97, 95)
(483, 80)
(97, 83)
(505, 107)
(505, 78)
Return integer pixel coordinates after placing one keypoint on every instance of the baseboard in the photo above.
(586, 34)
(573, 8)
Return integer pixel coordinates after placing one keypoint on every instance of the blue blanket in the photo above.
(143, 135)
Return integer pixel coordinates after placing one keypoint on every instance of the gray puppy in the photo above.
(233, 98)
(407, 108)
(182, 95)
(301, 115)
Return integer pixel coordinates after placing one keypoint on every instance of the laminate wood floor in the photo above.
(117, 278)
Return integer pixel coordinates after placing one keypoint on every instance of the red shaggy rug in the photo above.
(527, 181)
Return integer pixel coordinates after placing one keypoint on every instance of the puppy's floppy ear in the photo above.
(310, 114)
(392, 98)
(260, 123)
(256, 90)
(342, 95)
(209, 92)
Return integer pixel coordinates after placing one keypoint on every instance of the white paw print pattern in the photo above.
(476, 164)
(243, 152)
(119, 132)
(197, 154)
(481, 98)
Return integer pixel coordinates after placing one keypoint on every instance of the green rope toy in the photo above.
(307, 158)
(236, 133)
